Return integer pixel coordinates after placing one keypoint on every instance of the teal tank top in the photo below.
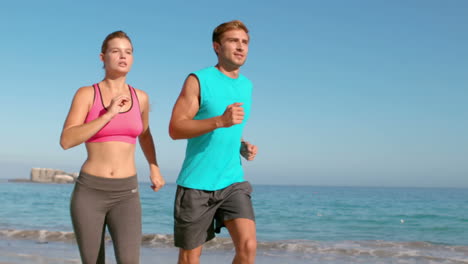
(212, 161)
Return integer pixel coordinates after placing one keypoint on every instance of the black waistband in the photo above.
(107, 184)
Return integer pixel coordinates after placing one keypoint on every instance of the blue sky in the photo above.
(345, 92)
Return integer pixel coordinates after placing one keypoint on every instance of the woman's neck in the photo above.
(115, 84)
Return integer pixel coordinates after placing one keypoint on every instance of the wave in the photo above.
(432, 252)
(39, 235)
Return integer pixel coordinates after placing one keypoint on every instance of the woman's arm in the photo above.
(147, 144)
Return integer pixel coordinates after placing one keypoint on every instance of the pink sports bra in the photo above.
(124, 127)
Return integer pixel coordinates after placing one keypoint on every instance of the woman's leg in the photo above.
(88, 217)
(124, 223)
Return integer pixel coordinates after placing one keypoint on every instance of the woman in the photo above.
(108, 117)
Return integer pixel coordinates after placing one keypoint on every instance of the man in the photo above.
(211, 112)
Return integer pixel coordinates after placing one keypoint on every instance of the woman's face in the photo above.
(118, 58)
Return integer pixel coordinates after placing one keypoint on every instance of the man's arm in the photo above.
(182, 124)
(248, 151)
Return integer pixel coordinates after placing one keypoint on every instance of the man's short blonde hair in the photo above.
(221, 29)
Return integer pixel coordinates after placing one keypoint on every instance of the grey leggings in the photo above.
(98, 202)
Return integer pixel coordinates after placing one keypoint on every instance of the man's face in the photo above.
(233, 48)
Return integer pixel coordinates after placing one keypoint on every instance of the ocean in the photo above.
(295, 224)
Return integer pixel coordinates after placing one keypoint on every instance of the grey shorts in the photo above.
(199, 214)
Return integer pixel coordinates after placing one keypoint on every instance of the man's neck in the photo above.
(232, 72)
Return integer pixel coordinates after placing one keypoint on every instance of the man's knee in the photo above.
(248, 246)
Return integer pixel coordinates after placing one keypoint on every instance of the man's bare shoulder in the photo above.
(191, 86)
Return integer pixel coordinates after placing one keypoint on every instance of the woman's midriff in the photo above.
(111, 159)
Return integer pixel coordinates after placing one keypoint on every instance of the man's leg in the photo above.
(243, 234)
(193, 223)
(190, 256)
(237, 215)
